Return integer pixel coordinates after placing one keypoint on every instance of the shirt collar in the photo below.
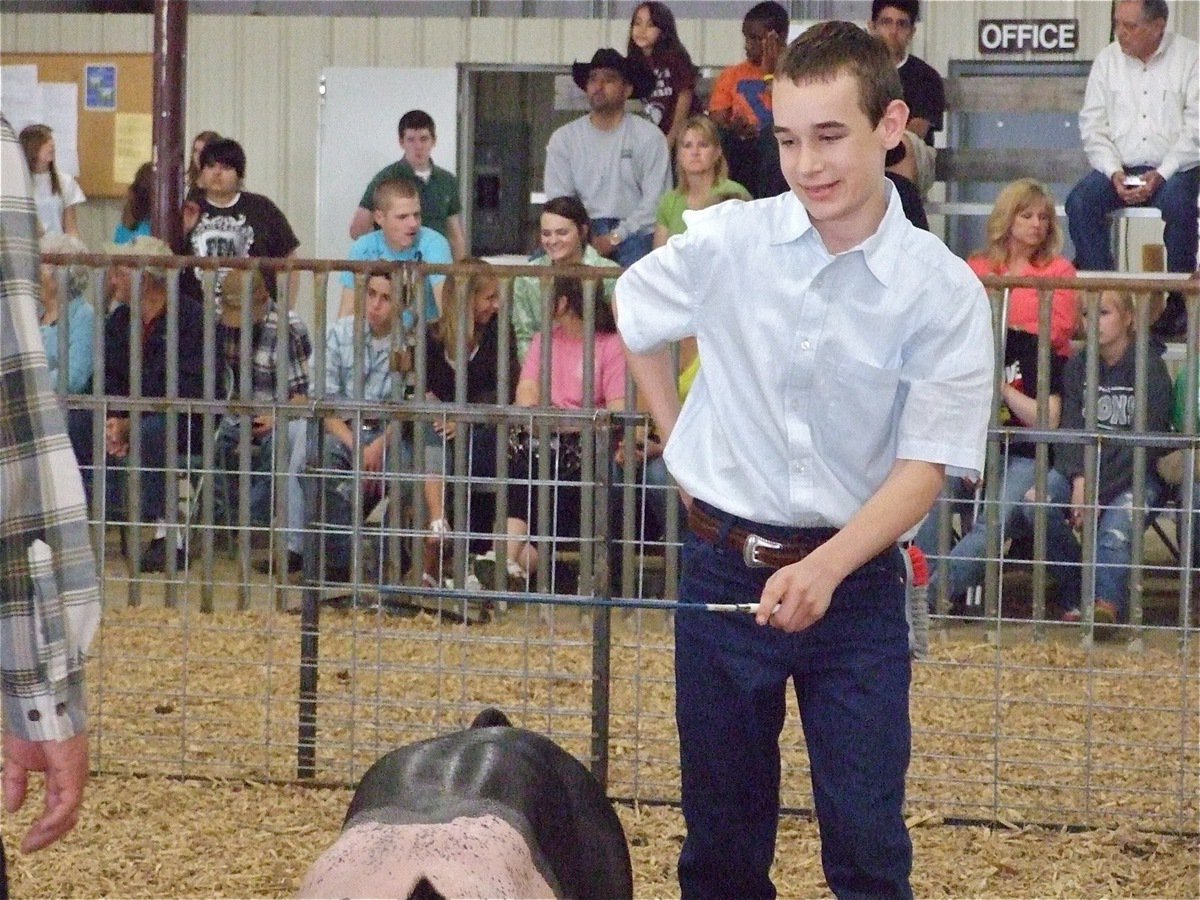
(881, 251)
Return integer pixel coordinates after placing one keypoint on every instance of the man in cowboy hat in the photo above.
(617, 164)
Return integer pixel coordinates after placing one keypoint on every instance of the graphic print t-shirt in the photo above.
(251, 226)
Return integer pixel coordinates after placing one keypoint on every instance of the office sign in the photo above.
(1028, 35)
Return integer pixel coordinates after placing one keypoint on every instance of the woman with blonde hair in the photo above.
(1024, 239)
(469, 319)
(703, 178)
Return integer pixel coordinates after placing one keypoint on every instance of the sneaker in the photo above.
(295, 563)
(154, 558)
(1106, 613)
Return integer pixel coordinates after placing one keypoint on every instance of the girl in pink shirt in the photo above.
(566, 392)
(1024, 238)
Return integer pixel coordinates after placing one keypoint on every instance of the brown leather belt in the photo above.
(757, 551)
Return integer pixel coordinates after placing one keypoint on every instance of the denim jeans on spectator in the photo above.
(153, 447)
(965, 567)
(955, 498)
(1093, 198)
(1114, 532)
(336, 491)
(851, 673)
(632, 247)
(262, 459)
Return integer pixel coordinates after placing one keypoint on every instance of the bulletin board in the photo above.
(114, 127)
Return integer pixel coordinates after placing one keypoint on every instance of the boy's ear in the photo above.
(895, 117)
(377, 215)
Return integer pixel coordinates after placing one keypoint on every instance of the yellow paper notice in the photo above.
(131, 145)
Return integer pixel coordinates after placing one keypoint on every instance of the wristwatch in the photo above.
(615, 236)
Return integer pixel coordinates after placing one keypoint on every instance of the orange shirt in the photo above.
(1023, 302)
(741, 89)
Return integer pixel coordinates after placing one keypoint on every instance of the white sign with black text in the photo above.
(1028, 35)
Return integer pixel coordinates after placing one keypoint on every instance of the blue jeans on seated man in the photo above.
(632, 247)
(1094, 198)
(851, 674)
(330, 499)
(968, 560)
(80, 426)
(1114, 531)
(262, 457)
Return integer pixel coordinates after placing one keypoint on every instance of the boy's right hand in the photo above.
(772, 47)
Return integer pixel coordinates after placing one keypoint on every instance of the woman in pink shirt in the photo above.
(1024, 238)
(567, 391)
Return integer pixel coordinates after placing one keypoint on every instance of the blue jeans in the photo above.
(1094, 198)
(336, 497)
(153, 444)
(851, 674)
(632, 248)
(967, 561)
(262, 459)
(1114, 531)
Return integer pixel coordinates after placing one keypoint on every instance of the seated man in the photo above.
(616, 163)
(187, 359)
(264, 349)
(400, 238)
(1140, 133)
(345, 437)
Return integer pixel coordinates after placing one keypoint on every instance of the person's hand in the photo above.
(116, 437)
(373, 454)
(190, 214)
(797, 596)
(65, 764)
(1077, 503)
(604, 245)
(262, 425)
(1152, 182)
(742, 127)
(446, 429)
(1127, 195)
(772, 47)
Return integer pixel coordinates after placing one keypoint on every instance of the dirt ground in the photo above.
(154, 837)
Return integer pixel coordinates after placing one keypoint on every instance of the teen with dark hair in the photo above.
(847, 365)
(654, 44)
(441, 207)
(231, 222)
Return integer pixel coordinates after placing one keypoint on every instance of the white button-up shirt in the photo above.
(1143, 113)
(817, 372)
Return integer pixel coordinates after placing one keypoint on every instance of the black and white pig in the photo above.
(492, 811)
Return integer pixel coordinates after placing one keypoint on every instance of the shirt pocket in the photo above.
(858, 422)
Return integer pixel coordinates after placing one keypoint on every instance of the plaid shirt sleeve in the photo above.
(298, 356)
(49, 595)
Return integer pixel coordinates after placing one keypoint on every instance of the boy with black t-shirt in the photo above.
(230, 222)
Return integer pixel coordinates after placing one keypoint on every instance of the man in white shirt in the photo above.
(616, 163)
(847, 367)
(1141, 134)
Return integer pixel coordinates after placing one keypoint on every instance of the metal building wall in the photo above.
(255, 77)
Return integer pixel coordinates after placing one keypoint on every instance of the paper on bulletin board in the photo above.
(60, 110)
(19, 96)
(132, 143)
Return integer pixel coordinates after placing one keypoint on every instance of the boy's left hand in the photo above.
(796, 596)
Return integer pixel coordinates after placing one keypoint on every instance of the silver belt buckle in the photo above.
(751, 547)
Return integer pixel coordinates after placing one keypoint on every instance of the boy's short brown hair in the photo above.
(828, 48)
(393, 189)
